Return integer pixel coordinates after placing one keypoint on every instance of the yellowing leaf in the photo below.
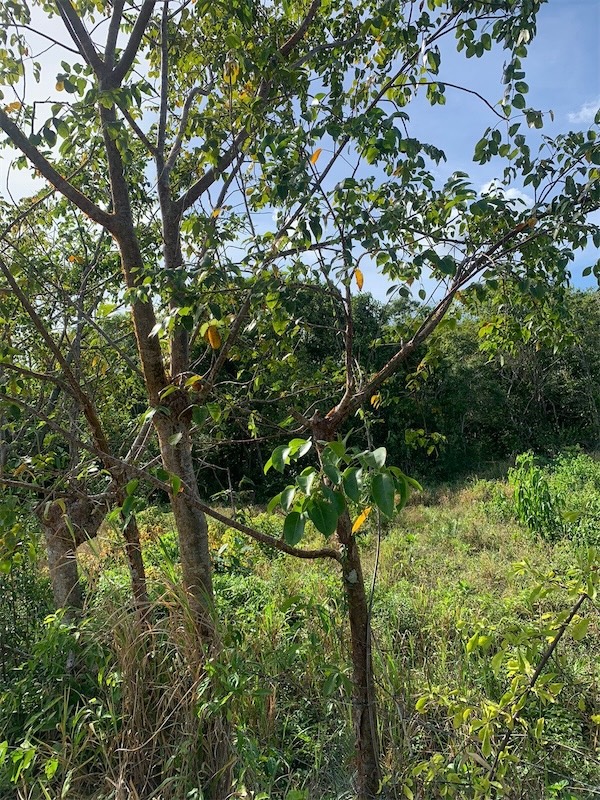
(13, 106)
(315, 156)
(213, 337)
(376, 400)
(532, 222)
(360, 279)
(216, 212)
(231, 71)
(360, 521)
(60, 87)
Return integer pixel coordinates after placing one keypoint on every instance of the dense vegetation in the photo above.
(450, 633)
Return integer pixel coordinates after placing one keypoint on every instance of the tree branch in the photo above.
(113, 32)
(533, 680)
(187, 107)
(90, 209)
(131, 49)
(80, 36)
(84, 401)
(210, 176)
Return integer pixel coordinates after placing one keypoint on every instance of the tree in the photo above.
(235, 108)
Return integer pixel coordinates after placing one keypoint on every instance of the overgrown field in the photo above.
(465, 601)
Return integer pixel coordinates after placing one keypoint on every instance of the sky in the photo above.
(562, 70)
(563, 73)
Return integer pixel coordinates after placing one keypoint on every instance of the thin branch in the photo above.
(30, 487)
(131, 49)
(49, 39)
(113, 32)
(209, 382)
(84, 401)
(136, 128)
(287, 47)
(468, 91)
(187, 107)
(164, 89)
(29, 373)
(533, 680)
(320, 48)
(90, 209)
(110, 341)
(210, 176)
(80, 36)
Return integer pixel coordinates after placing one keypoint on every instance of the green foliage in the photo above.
(537, 507)
(561, 499)
(458, 630)
(348, 477)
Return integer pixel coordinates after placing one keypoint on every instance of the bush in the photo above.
(561, 499)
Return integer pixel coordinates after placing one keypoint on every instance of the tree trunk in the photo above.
(61, 550)
(137, 570)
(364, 708)
(192, 527)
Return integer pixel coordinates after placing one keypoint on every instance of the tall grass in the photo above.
(131, 718)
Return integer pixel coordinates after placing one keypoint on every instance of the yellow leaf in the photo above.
(359, 522)
(376, 400)
(216, 212)
(315, 156)
(231, 71)
(60, 87)
(20, 469)
(13, 106)
(359, 278)
(213, 337)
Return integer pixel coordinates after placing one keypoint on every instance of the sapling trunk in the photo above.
(364, 707)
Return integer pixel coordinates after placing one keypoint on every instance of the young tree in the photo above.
(234, 108)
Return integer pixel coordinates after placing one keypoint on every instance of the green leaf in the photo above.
(274, 502)
(299, 447)
(199, 415)
(338, 448)
(127, 506)
(176, 482)
(280, 457)
(214, 410)
(376, 458)
(175, 439)
(323, 516)
(287, 497)
(579, 629)
(352, 482)
(332, 473)
(382, 492)
(293, 528)
(306, 479)
(132, 486)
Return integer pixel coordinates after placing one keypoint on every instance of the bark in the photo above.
(62, 538)
(364, 708)
(192, 527)
(62, 563)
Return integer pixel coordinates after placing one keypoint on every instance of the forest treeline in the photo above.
(473, 395)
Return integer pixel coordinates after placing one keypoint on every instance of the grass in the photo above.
(133, 720)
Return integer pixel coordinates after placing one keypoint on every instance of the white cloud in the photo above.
(494, 188)
(586, 113)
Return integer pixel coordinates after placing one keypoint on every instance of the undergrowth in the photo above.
(454, 625)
